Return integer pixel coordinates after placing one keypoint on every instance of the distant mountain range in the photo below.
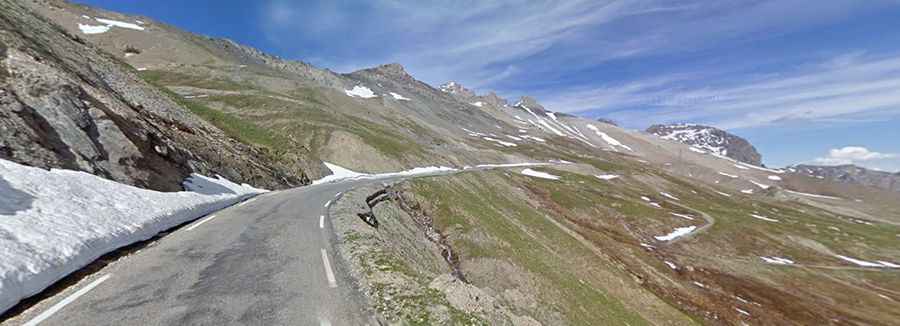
(851, 174)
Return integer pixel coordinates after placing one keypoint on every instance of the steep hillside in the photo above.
(710, 139)
(69, 105)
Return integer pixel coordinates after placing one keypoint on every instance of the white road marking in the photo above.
(201, 222)
(321, 221)
(58, 306)
(324, 322)
(246, 202)
(328, 203)
(328, 272)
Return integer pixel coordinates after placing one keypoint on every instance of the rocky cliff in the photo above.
(66, 104)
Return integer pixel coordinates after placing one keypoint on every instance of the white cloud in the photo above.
(845, 87)
(852, 155)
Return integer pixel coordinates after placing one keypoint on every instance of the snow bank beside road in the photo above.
(54, 222)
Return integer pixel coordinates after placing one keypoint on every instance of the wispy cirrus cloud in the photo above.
(842, 87)
(517, 46)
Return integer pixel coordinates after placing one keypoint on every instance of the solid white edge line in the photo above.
(246, 202)
(321, 221)
(200, 223)
(59, 305)
(329, 274)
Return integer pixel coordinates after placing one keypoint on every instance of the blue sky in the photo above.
(806, 81)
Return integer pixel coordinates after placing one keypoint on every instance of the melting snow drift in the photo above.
(679, 232)
(399, 97)
(55, 222)
(99, 29)
(360, 91)
(539, 174)
(777, 260)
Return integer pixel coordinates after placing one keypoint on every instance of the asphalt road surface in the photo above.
(266, 261)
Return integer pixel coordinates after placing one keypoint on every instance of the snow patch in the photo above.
(502, 143)
(679, 232)
(533, 138)
(93, 29)
(777, 260)
(728, 175)
(860, 262)
(760, 185)
(774, 178)
(55, 222)
(668, 195)
(399, 97)
(513, 137)
(360, 91)
(609, 140)
(121, 24)
(671, 265)
(756, 216)
(607, 177)
(539, 174)
(478, 104)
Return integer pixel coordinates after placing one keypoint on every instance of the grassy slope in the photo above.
(725, 258)
(306, 115)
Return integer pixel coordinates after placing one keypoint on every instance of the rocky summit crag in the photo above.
(711, 139)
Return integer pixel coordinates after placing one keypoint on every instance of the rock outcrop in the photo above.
(711, 139)
(66, 104)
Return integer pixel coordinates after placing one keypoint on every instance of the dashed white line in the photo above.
(321, 221)
(59, 305)
(201, 222)
(328, 203)
(329, 274)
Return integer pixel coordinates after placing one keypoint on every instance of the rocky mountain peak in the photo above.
(392, 69)
(530, 103)
(710, 139)
(457, 89)
(493, 99)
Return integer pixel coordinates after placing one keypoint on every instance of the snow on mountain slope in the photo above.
(548, 121)
(361, 91)
(711, 139)
(55, 222)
